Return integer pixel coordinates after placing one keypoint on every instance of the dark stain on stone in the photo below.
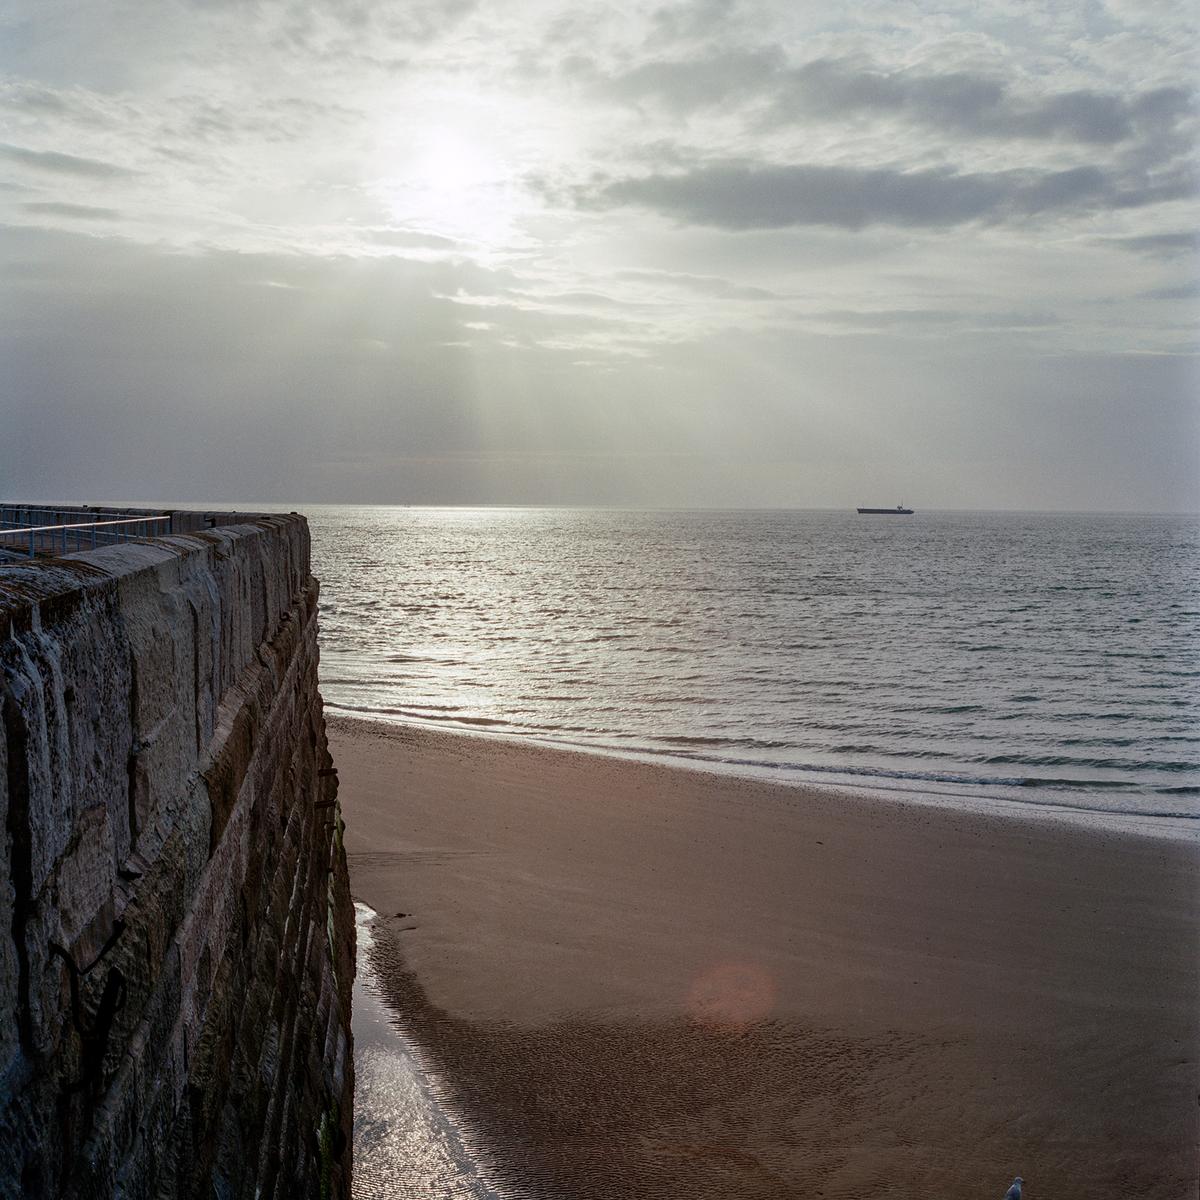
(131, 761)
(94, 1033)
(16, 738)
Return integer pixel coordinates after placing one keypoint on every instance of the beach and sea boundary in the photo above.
(617, 976)
(634, 979)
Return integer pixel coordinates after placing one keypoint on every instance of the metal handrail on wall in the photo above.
(38, 539)
(61, 511)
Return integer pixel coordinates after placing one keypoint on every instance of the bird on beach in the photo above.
(1014, 1192)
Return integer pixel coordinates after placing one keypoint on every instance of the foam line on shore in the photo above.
(927, 793)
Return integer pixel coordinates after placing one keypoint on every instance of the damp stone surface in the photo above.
(176, 931)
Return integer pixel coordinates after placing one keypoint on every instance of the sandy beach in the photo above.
(645, 981)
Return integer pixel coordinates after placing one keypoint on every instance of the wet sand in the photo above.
(640, 981)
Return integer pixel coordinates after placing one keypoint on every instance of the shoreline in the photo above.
(1007, 801)
(637, 981)
(405, 1139)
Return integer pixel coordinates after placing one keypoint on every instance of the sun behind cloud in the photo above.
(455, 182)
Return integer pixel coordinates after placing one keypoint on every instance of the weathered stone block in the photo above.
(179, 1016)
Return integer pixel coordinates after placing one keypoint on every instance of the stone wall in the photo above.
(176, 932)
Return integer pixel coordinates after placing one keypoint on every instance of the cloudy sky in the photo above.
(702, 253)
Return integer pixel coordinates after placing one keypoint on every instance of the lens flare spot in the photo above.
(732, 995)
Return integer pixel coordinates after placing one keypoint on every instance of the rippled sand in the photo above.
(631, 981)
(586, 1109)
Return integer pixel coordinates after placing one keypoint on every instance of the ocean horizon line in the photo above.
(298, 506)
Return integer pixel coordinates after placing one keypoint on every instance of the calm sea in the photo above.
(1050, 658)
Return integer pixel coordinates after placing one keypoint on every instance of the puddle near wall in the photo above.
(405, 1143)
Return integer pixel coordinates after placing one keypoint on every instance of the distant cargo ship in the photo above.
(898, 511)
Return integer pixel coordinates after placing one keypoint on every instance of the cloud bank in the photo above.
(677, 253)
